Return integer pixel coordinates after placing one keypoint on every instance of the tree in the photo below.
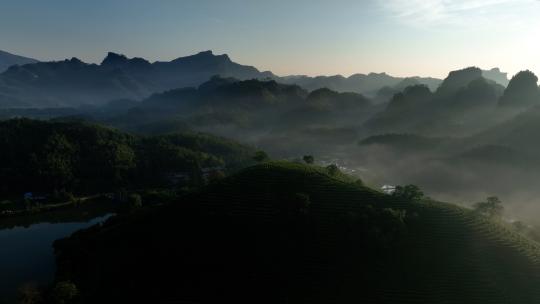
(57, 161)
(359, 182)
(134, 202)
(29, 294)
(332, 169)
(261, 156)
(64, 292)
(63, 196)
(120, 159)
(408, 192)
(27, 203)
(492, 207)
(309, 159)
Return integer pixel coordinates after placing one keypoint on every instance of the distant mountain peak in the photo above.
(199, 55)
(522, 90)
(496, 75)
(117, 77)
(75, 60)
(378, 74)
(117, 60)
(208, 56)
(114, 59)
(205, 53)
(458, 79)
(8, 59)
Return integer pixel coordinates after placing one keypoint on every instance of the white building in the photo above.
(388, 189)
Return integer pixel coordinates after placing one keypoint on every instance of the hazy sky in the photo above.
(400, 37)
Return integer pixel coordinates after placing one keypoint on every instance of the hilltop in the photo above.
(464, 103)
(8, 59)
(284, 232)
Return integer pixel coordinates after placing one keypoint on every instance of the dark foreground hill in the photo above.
(287, 233)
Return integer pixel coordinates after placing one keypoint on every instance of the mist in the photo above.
(466, 139)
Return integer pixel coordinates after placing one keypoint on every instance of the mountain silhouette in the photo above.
(458, 79)
(73, 82)
(463, 97)
(368, 85)
(522, 91)
(496, 75)
(7, 60)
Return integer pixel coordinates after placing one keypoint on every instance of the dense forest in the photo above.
(86, 158)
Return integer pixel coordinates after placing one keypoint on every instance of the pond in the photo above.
(26, 252)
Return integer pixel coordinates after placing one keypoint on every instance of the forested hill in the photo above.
(289, 233)
(46, 156)
(240, 109)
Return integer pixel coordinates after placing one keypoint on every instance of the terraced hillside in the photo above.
(289, 233)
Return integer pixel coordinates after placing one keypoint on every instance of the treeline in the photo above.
(46, 156)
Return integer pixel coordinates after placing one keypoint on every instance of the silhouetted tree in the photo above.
(134, 202)
(309, 159)
(492, 207)
(64, 293)
(332, 169)
(57, 163)
(29, 294)
(408, 192)
(261, 156)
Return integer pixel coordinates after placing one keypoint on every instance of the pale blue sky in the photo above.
(400, 37)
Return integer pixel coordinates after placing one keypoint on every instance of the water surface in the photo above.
(27, 256)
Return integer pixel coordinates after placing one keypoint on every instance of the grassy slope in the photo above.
(232, 241)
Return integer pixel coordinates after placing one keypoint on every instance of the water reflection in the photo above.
(26, 252)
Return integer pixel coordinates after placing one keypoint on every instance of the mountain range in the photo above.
(72, 83)
(8, 59)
